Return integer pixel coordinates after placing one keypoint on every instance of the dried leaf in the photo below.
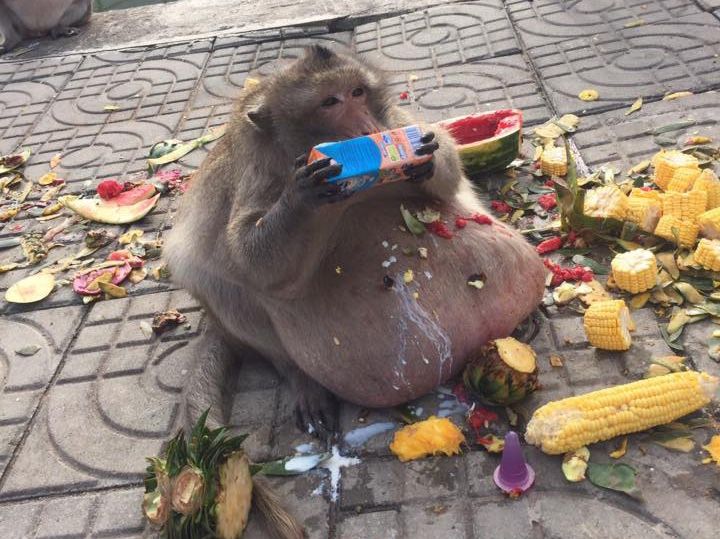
(13, 161)
(616, 476)
(556, 360)
(111, 108)
(181, 150)
(637, 105)
(690, 294)
(675, 126)
(131, 236)
(112, 290)
(167, 320)
(549, 130)
(642, 166)
(677, 439)
(635, 23)
(667, 261)
(146, 329)
(6, 215)
(412, 224)
(8, 267)
(29, 350)
(638, 301)
(137, 275)
(575, 464)
(620, 450)
(47, 179)
(676, 95)
(55, 161)
(31, 289)
(665, 365)
(492, 443)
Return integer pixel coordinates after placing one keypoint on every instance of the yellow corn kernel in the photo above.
(683, 179)
(606, 202)
(686, 206)
(644, 212)
(651, 194)
(568, 424)
(709, 182)
(707, 254)
(669, 226)
(635, 271)
(709, 222)
(666, 163)
(553, 161)
(607, 325)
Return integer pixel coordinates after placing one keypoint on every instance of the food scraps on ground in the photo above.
(607, 325)
(504, 372)
(31, 289)
(431, 436)
(125, 207)
(166, 320)
(568, 424)
(575, 464)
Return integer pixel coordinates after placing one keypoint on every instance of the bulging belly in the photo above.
(383, 325)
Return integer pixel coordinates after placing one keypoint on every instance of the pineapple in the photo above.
(201, 485)
(504, 373)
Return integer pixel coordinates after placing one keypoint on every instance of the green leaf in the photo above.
(675, 126)
(701, 283)
(597, 268)
(295, 465)
(572, 252)
(163, 147)
(29, 350)
(181, 150)
(615, 476)
(412, 224)
(670, 340)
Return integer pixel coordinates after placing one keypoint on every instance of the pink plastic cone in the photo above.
(513, 474)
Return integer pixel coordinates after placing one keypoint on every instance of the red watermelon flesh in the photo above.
(478, 127)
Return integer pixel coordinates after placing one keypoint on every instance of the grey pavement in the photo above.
(78, 418)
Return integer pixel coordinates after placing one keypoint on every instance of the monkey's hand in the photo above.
(311, 181)
(424, 171)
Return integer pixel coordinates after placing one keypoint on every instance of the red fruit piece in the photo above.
(500, 207)
(460, 222)
(548, 201)
(549, 245)
(108, 189)
(440, 229)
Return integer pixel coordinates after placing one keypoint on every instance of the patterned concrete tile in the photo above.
(438, 36)
(623, 141)
(104, 514)
(647, 61)
(24, 378)
(544, 22)
(122, 390)
(39, 69)
(456, 90)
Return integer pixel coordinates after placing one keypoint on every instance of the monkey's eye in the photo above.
(357, 92)
(330, 101)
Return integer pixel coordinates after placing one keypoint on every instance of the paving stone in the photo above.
(695, 338)
(631, 62)
(24, 378)
(381, 482)
(512, 518)
(438, 36)
(371, 525)
(477, 86)
(118, 512)
(551, 21)
(709, 5)
(69, 518)
(40, 69)
(437, 518)
(623, 141)
(350, 416)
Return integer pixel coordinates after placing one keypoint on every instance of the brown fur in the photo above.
(22, 19)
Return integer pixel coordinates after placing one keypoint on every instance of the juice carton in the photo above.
(372, 159)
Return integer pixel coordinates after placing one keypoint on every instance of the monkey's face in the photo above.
(343, 111)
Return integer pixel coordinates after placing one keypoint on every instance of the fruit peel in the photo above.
(109, 212)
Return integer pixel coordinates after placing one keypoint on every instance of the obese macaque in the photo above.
(22, 19)
(294, 270)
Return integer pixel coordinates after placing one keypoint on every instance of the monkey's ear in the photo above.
(318, 52)
(260, 117)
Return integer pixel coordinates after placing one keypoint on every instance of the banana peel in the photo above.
(109, 211)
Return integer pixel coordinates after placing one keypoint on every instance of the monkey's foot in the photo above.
(63, 31)
(315, 410)
(528, 328)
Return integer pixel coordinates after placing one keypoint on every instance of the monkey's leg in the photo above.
(212, 380)
(77, 14)
(9, 37)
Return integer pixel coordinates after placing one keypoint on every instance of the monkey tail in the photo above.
(280, 523)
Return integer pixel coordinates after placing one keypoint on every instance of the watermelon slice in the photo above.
(487, 141)
(108, 211)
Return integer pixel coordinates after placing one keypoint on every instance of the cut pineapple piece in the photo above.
(707, 254)
(635, 271)
(606, 202)
(666, 163)
(709, 182)
(710, 224)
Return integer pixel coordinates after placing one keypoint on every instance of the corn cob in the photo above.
(687, 231)
(686, 206)
(707, 254)
(606, 202)
(553, 161)
(644, 212)
(650, 194)
(569, 424)
(635, 271)
(683, 179)
(666, 163)
(607, 325)
(709, 222)
(708, 182)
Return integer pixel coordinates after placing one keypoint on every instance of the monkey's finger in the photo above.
(422, 172)
(319, 176)
(317, 165)
(427, 137)
(301, 160)
(427, 149)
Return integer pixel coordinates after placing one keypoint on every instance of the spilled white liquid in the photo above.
(358, 437)
(304, 448)
(302, 463)
(333, 465)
